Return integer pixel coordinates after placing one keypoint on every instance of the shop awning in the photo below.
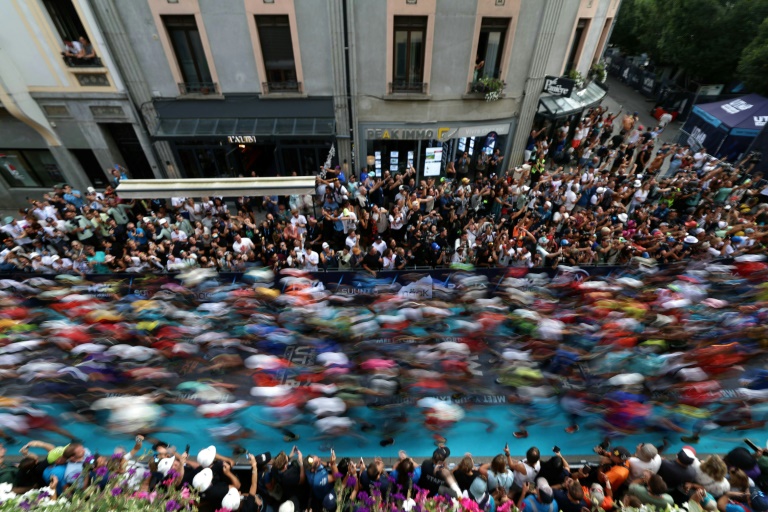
(553, 107)
(228, 187)
(255, 127)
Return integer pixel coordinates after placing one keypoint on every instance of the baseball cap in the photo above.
(545, 491)
(621, 452)
(686, 456)
(441, 453)
(8, 220)
(55, 454)
(325, 245)
(165, 465)
(206, 456)
(232, 500)
(203, 480)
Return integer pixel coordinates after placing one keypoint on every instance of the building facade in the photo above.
(63, 118)
(213, 88)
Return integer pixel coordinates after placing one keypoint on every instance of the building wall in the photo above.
(48, 104)
(226, 26)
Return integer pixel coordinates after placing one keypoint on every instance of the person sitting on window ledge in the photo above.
(71, 50)
(87, 54)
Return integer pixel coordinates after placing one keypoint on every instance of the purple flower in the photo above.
(172, 505)
(43, 495)
(117, 491)
(398, 497)
(76, 476)
(362, 495)
(337, 475)
(172, 474)
(89, 460)
(131, 471)
(25, 505)
(117, 456)
(351, 481)
(363, 509)
(102, 471)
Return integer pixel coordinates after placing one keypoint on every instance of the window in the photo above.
(277, 52)
(577, 44)
(490, 46)
(190, 56)
(408, 68)
(29, 168)
(67, 23)
(65, 18)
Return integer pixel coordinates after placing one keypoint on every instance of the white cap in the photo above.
(325, 245)
(33, 255)
(622, 217)
(163, 221)
(91, 190)
(690, 239)
(286, 507)
(203, 480)
(232, 500)
(206, 456)
(600, 190)
(165, 465)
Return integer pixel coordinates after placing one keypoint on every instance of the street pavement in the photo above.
(623, 97)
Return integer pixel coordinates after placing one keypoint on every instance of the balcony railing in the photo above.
(198, 88)
(74, 62)
(408, 87)
(276, 87)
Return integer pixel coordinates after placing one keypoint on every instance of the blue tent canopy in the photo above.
(726, 128)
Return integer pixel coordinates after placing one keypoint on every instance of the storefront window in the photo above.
(29, 168)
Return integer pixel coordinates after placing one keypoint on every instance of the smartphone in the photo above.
(186, 449)
(752, 445)
(556, 449)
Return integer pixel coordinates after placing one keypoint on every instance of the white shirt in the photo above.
(178, 236)
(300, 222)
(396, 223)
(244, 242)
(350, 222)
(570, 200)
(311, 260)
(530, 474)
(637, 466)
(380, 246)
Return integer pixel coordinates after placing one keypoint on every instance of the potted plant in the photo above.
(598, 72)
(491, 88)
(576, 77)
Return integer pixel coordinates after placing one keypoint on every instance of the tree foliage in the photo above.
(706, 38)
(753, 67)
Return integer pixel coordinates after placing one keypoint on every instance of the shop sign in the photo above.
(442, 133)
(241, 139)
(558, 85)
(400, 133)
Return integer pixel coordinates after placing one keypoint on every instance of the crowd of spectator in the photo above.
(619, 479)
(594, 194)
